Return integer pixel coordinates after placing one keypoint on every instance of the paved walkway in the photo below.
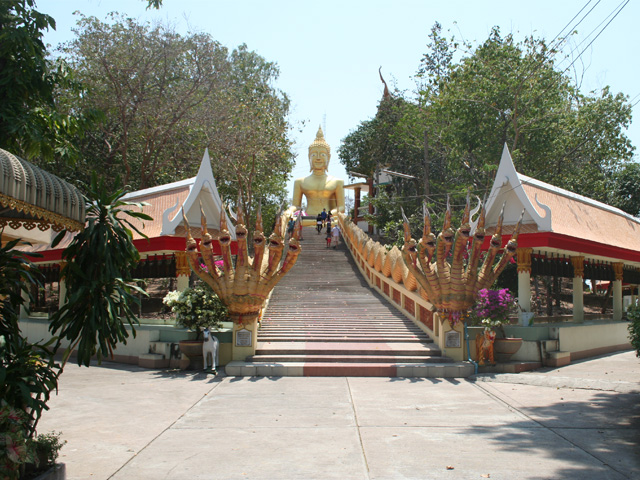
(581, 421)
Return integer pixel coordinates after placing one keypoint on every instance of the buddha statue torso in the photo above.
(322, 191)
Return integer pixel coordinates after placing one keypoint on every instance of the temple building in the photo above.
(565, 234)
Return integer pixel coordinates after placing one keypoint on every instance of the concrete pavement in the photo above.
(581, 421)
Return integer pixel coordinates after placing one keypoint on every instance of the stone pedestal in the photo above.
(450, 340)
(245, 333)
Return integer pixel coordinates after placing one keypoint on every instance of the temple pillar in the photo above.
(356, 206)
(524, 284)
(62, 292)
(578, 289)
(617, 291)
(182, 271)
(62, 288)
(25, 304)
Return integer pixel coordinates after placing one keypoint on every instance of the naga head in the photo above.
(496, 238)
(410, 245)
(480, 233)
(465, 227)
(259, 240)
(447, 233)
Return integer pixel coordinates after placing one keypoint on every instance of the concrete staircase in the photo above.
(324, 320)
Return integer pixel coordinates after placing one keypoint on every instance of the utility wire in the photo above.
(620, 8)
(554, 48)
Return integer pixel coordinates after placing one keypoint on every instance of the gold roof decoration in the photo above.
(32, 197)
(320, 142)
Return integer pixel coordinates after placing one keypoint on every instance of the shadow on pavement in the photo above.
(604, 427)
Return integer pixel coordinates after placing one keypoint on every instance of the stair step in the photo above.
(346, 348)
(331, 369)
(324, 320)
(345, 358)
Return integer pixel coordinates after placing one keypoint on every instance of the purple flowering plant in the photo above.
(493, 307)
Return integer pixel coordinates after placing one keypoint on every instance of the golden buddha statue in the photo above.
(321, 190)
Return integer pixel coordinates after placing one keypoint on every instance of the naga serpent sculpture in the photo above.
(452, 287)
(245, 287)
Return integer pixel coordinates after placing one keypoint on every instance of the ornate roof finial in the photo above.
(386, 93)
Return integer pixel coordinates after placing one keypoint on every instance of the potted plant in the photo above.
(492, 310)
(196, 308)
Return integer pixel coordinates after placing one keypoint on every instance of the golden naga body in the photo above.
(452, 287)
(322, 191)
(245, 287)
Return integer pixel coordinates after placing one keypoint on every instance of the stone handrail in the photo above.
(384, 270)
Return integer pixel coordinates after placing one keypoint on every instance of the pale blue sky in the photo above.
(329, 51)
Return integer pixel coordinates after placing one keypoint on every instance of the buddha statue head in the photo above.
(319, 153)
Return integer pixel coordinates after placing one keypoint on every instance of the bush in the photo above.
(15, 448)
(633, 314)
(197, 308)
(47, 447)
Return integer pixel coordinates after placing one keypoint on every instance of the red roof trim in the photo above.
(148, 246)
(571, 244)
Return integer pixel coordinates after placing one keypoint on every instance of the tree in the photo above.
(101, 294)
(247, 132)
(451, 134)
(512, 92)
(31, 122)
(623, 189)
(147, 81)
(166, 97)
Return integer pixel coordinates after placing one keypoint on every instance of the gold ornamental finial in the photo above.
(320, 142)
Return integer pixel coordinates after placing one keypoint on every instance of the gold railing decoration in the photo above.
(451, 281)
(245, 286)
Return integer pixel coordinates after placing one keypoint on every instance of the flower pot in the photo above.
(526, 319)
(504, 348)
(192, 349)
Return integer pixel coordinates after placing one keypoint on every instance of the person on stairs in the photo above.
(323, 215)
(319, 223)
(335, 233)
(290, 226)
(328, 238)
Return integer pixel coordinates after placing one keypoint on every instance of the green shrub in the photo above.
(47, 446)
(633, 314)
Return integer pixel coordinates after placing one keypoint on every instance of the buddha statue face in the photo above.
(319, 153)
(319, 159)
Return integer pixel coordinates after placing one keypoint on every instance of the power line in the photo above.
(599, 33)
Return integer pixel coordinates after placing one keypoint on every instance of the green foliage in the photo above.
(623, 188)
(101, 294)
(165, 97)
(47, 447)
(451, 135)
(633, 314)
(15, 448)
(32, 124)
(28, 373)
(197, 308)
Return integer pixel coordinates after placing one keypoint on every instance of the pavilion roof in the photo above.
(586, 225)
(32, 197)
(165, 204)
